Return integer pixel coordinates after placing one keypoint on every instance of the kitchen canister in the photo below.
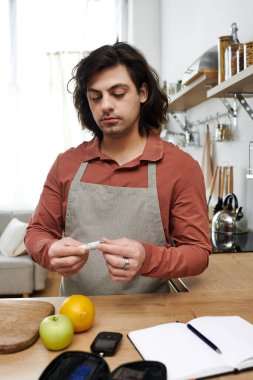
(240, 58)
(223, 43)
(248, 54)
(232, 59)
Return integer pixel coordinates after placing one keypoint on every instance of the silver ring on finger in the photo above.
(126, 263)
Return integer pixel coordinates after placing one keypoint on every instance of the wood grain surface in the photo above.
(226, 272)
(126, 313)
(19, 323)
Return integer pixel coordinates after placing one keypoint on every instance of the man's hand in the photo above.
(124, 258)
(66, 257)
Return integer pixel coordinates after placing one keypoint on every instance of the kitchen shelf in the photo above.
(193, 94)
(241, 83)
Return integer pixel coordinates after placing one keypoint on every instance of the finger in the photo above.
(72, 263)
(120, 275)
(121, 241)
(120, 272)
(65, 251)
(69, 242)
(118, 262)
(119, 250)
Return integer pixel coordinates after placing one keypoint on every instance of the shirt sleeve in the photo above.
(46, 225)
(189, 230)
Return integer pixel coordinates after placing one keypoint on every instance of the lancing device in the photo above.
(92, 245)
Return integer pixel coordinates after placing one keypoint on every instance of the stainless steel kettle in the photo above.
(231, 219)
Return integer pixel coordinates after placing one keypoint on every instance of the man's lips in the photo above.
(110, 120)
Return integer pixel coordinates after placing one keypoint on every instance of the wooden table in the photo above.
(126, 313)
(226, 271)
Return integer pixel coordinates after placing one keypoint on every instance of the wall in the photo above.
(188, 29)
(173, 34)
(144, 29)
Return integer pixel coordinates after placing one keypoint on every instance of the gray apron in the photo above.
(94, 211)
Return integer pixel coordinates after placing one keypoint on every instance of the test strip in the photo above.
(92, 245)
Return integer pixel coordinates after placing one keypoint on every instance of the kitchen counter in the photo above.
(128, 312)
(226, 272)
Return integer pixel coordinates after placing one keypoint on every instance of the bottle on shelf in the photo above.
(234, 30)
(223, 52)
(231, 53)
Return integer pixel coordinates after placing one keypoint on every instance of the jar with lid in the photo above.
(248, 54)
(240, 58)
(223, 43)
(232, 64)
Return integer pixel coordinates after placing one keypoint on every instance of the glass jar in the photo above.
(248, 54)
(232, 66)
(240, 58)
(223, 43)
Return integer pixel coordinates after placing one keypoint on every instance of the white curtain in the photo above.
(41, 42)
(60, 104)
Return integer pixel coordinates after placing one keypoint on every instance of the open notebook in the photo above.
(187, 356)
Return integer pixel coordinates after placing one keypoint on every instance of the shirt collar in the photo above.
(153, 150)
(91, 149)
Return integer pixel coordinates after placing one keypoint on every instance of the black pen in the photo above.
(203, 338)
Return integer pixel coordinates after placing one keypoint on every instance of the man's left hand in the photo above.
(124, 258)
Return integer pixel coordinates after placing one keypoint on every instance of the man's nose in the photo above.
(106, 103)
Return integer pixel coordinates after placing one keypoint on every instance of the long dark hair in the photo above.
(153, 112)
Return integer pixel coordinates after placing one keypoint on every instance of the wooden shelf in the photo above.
(241, 83)
(193, 94)
(199, 90)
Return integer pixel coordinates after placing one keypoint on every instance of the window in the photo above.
(41, 41)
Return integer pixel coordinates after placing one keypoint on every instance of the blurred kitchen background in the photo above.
(43, 40)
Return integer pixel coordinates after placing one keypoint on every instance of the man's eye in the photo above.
(119, 94)
(95, 97)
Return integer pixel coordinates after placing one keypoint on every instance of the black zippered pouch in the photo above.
(76, 365)
(140, 370)
(79, 365)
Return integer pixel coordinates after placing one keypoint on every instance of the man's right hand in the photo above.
(66, 257)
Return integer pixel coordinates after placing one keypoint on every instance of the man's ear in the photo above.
(143, 92)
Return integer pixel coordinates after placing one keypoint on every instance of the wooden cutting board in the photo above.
(20, 322)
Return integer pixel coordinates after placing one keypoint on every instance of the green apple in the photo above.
(56, 332)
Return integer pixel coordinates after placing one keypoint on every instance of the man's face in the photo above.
(114, 101)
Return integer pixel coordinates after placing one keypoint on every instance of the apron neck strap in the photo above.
(151, 173)
(80, 171)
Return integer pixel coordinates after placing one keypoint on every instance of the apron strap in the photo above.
(80, 171)
(151, 173)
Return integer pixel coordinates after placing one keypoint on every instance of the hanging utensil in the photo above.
(219, 189)
(226, 180)
(222, 185)
(231, 185)
(219, 204)
(212, 185)
(231, 179)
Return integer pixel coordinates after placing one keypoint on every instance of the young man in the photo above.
(143, 197)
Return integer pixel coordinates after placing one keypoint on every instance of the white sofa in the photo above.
(19, 275)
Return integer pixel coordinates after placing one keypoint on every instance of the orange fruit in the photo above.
(80, 310)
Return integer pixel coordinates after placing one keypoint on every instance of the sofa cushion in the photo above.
(11, 240)
(15, 263)
(7, 216)
(16, 275)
